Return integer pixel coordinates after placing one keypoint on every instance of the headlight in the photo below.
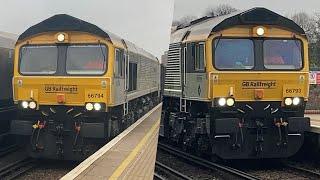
(260, 31)
(296, 101)
(222, 101)
(24, 104)
(61, 37)
(32, 105)
(230, 101)
(97, 106)
(288, 101)
(89, 106)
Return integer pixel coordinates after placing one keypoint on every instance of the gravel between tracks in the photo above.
(48, 170)
(273, 174)
(272, 169)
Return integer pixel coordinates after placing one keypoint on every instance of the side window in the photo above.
(3, 55)
(199, 57)
(6, 61)
(119, 64)
(10, 61)
(6, 56)
(133, 71)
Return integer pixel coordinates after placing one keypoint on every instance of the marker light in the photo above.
(97, 106)
(222, 101)
(32, 105)
(288, 101)
(61, 37)
(89, 106)
(24, 104)
(260, 31)
(296, 101)
(230, 101)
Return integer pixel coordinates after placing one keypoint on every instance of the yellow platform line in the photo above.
(94, 157)
(118, 172)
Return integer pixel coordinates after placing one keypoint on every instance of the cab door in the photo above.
(126, 80)
(119, 76)
(195, 87)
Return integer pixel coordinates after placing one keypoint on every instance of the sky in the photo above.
(284, 7)
(144, 22)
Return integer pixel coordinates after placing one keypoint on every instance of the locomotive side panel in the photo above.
(6, 74)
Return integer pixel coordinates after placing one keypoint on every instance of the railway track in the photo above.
(8, 150)
(301, 170)
(17, 168)
(206, 164)
(169, 173)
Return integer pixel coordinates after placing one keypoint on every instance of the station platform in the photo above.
(315, 122)
(130, 155)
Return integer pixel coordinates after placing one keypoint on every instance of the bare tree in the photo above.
(220, 10)
(307, 23)
(183, 21)
(311, 25)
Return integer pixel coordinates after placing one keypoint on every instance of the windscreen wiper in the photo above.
(216, 45)
(23, 52)
(104, 55)
(296, 40)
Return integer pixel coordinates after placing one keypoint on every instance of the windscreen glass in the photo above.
(88, 59)
(233, 54)
(38, 60)
(282, 54)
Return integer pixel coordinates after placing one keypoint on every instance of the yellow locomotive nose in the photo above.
(64, 91)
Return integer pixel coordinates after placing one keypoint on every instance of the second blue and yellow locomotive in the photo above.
(236, 86)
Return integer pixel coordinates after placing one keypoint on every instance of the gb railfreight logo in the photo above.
(57, 88)
(259, 84)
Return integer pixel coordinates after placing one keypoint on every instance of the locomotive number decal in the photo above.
(293, 91)
(259, 84)
(95, 95)
(58, 88)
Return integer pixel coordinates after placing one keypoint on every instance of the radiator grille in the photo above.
(173, 70)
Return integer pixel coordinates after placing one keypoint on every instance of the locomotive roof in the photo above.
(7, 40)
(64, 22)
(200, 29)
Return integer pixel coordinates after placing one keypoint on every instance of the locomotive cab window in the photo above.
(233, 54)
(199, 57)
(38, 60)
(86, 59)
(120, 62)
(133, 72)
(282, 54)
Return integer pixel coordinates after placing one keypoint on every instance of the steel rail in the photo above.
(206, 163)
(17, 168)
(9, 149)
(302, 170)
(157, 176)
(170, 171)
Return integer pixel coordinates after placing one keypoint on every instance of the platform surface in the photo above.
(315, 122)
(130, 155)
